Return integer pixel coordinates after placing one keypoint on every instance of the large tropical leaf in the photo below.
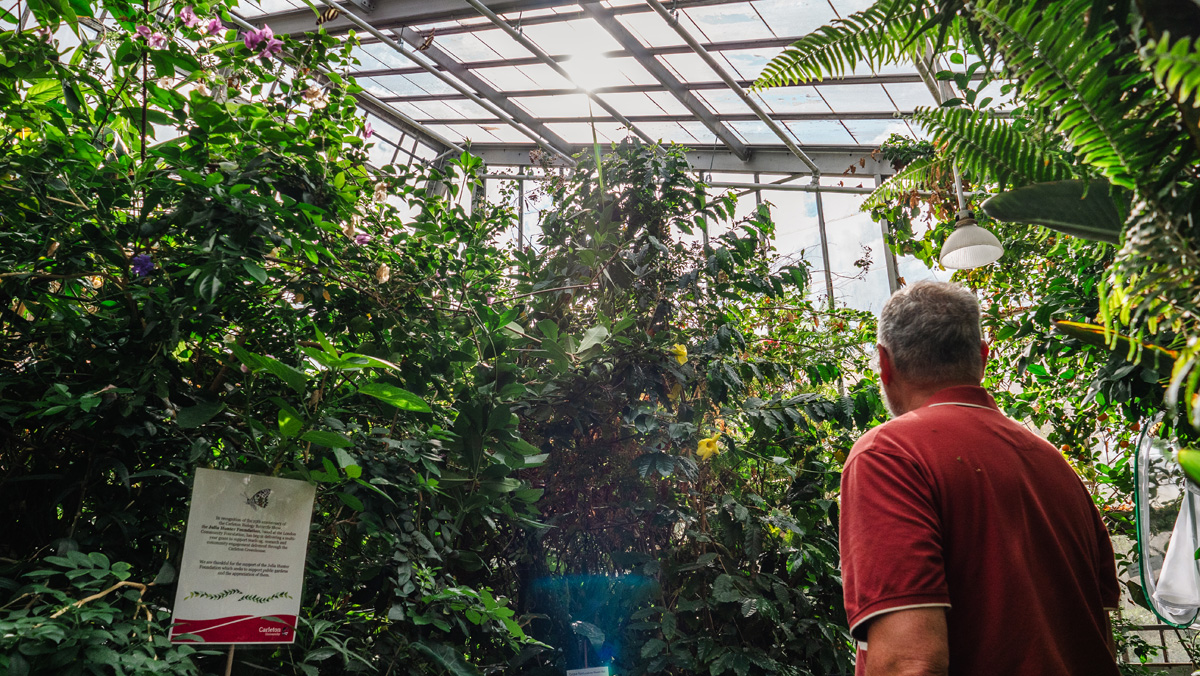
(991, 150)
(878, 35)
(1107, 107)
(1176, 66)
(1152, 356)
(920, 174)
(1078, 208)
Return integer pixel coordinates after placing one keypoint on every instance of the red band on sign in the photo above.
(237, 629)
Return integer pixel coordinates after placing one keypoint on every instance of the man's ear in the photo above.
(885, 365)
(984, 353)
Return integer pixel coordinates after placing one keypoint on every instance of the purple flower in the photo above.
(157, 40)
(143, 32)
(142, 265)
(252, 39)
(189, 18)
(214, 26)
(362, 238)
(272, 47)
(367, 131)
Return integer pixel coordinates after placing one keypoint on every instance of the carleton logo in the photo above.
(272, 630)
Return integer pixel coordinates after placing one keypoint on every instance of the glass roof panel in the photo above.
(729, 22)
(689, 67)
(565, 105)
(468, 108)
(383, 54)
(499, 42)
(430, 83)
(390, 85)
(572, 37)
(794, 100)
(442, 110)
(463, 132)
(701, 132)
(874, 132)
(651, 29)
(795, 17)
(755, 132)
(636, 103)
(506, 133)
(465, 47)
(506, 77)
(909, 95)
(408, 109)
(748, 63)
(723, 101)
(819, 132)
(594, 71)
(856, 97)
(668, 103)
(541, 76)
(249, 9)
(668, 132)
(581, 132)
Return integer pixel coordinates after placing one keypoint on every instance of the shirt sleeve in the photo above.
(890, 539)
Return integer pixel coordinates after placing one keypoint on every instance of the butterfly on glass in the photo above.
(259, 499)
(328, 15)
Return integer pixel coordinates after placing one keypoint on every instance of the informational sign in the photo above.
(594, 671)
(243, 559)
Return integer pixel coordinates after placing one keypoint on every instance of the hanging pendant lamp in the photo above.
(969, 246)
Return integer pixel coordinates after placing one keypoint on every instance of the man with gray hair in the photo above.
(969, 546)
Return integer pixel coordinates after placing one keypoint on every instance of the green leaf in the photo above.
(398, 397)
(330, 439)
(296, 380)
(351, 501)
(594, 635)
(653, 647)
(255, 270)
(43, 92)
(345, 461)
(725, 590)
(449, 658)
(592, 337)
(289, 423)
(195, 416)
(1078, 208)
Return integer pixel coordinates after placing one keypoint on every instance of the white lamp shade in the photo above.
(970, 246)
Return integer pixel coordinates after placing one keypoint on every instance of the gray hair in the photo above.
(931, 331)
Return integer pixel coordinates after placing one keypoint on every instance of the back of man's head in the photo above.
(931, 332)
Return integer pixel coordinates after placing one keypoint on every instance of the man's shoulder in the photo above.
(885, 438)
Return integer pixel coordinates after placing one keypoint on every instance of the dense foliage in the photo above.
(588, 451)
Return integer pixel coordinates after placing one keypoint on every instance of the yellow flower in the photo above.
(680, 353)
(708, 447)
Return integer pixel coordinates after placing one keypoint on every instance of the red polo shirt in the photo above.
(955, 505)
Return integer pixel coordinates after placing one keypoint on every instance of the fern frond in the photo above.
(880, 34)
(991, 150)
(1106, 106)
(920, 174)
(1176, 66)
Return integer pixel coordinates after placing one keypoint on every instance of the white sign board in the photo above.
(243, 559)
(594, 671)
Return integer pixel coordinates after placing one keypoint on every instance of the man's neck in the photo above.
(915, 396)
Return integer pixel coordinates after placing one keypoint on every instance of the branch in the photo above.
(106, 592)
